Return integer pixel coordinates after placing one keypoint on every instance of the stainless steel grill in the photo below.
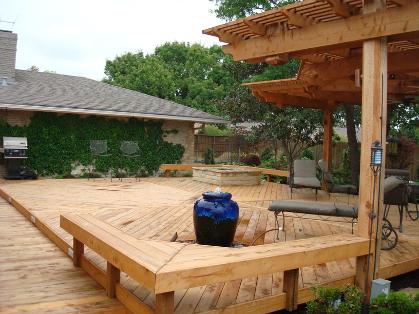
(15, 151)
(15, 147)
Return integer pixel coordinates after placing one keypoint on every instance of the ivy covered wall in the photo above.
(58, 141)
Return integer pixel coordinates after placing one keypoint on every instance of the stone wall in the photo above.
(181, 132)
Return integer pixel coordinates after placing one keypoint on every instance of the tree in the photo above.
(146, 74)
(192, 75)
(235, 9)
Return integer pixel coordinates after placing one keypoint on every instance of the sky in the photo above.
(76, 37)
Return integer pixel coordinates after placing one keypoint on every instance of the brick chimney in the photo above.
(8, 42)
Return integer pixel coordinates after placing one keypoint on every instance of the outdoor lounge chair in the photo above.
(331, 187)
(396, 193)
(313, 208)
(304, 175)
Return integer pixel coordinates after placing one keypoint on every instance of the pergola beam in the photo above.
(330, 34)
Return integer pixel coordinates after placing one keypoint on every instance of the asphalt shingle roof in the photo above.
(56, 92)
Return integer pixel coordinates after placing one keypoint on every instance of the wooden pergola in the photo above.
(351, 51)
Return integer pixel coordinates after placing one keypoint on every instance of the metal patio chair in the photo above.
(304, 175)
(331, 187)
(130, 149)
(99, 149)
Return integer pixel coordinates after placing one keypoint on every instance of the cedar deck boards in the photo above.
(36, 277)
(156, 208)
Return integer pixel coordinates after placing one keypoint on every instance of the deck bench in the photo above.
(167, 168)
(313, 208)
(163, 267)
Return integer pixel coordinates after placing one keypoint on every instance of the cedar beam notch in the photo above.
(296, 19)
(340, 8)
(228, 37)
(255, 28)
(278, 60)
(336, 33)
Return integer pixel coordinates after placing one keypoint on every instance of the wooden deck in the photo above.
(37, 277)
(157, 208)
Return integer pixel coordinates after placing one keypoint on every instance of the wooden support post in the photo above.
(165, 303)
(167, 173)
(327, 137)
(112, 278)
(78, 251)
(290, 287)
(374, 117)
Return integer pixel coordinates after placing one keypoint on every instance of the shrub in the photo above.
(307, 154)
(209, 157)
(267, 154)
(250, 160)
(395, 302)
(346, 300)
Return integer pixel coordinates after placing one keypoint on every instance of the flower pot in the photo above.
(215, 219)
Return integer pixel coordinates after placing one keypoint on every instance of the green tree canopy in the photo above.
(192, 75)
(234, 9)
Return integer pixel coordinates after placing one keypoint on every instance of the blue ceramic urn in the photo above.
(215, 219)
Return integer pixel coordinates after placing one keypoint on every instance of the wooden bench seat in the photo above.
(163, 267)
(167, 168)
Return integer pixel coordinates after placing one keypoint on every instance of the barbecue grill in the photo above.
(15, 153)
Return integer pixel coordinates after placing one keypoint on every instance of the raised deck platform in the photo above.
(156, 208)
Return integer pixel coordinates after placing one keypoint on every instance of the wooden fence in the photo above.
(229, 148)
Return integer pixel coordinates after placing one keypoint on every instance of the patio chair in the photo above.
(396, 192)
(331, 187)
(303, 175)
(99, 149)
(130, 149)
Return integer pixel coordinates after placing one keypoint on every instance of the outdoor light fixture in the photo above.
(376, 156)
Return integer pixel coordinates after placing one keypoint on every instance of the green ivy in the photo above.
(55, 142)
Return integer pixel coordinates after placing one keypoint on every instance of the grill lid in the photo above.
(15, 142)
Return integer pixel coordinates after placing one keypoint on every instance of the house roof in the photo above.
(40, 91)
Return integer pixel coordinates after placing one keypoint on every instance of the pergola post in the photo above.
(374, 117)
(327, 137)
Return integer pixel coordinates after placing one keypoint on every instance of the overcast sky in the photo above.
(76, 37)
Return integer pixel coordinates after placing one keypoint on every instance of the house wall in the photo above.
(184, 136)
(15, 117)
(178, 132)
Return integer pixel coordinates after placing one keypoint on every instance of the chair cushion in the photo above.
(305, 168)
(306, 207)
(344, 188)
(346, 210)
(307, 182)
(390, 183)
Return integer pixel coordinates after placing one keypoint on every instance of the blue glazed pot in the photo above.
(215, 219)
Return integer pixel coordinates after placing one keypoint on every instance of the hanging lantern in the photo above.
(376, 155)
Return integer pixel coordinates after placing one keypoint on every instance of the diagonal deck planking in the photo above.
(36, 277)
(157, 208)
